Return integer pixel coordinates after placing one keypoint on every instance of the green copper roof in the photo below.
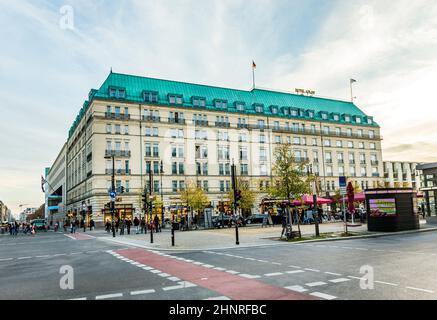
(135, 86)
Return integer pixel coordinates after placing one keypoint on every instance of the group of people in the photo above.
(73, 224)
(26, 228)
(140, 225)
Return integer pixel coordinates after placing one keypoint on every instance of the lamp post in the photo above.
(112, 192)
(162, 196)
(151, 203)
(234, 187)
(315, 213)
(84, 215)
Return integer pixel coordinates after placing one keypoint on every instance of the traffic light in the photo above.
(144, 199)
(238, 196)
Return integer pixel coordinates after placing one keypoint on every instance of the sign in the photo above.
(382, 207)
(342, 183)
(113, 194)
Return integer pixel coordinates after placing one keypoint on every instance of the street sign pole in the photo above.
(342, 182)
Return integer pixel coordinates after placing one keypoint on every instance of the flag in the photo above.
(353, 80)
(253, 64)
(43, 182)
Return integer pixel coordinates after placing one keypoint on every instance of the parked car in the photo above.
(227, 221)
(40, 224)
(256, 218)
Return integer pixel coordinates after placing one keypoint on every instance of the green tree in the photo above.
(248, 196)
(194, 197)
(290, 180)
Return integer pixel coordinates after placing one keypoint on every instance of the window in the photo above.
(351, 158)
(260, 124)
(329, 171)
(259, 108)
(276, 125)
(369, 121)
(150, 96)
(326, 130)
(221, 104)
(371, 134)
(294, 113)
(175, 99)
(242, 137)
(360, 133)
(223, 152)
(361, 145)
(363, 172)
(174, 185)
(148, 150)
(350, 144)
(262, 138)
(126, 129)
(263, 170)
(199, 102)
(277, 139)
(338, 131)
(177, 133)
(224, 169)
(352, 171)
(182, 185)
(117, 129)
(108, 128)
(328, 157)
(156, 150)
(117, 93)
(311, 114)
(339, 144)
(314, 141)
(274, 109)
(324, 116)
(336, 117)
(349, 132)
(240, 106)
(298, 155)
(117, 145)
(296, 140)
(244, 169)
(358, 119)
(243, 153)
(341, 171)
(205, 186)
(126, 145)
(347, 118)
(327, 143)
(372, 146)
(262, 154)
(315, 156)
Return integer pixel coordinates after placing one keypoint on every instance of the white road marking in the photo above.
(297, 288)
(208, 266)
(274, 274)
(357, 278)
(7, 259)
(155, 271)
(263, 261)
(251, 259)
(349, 248)
(316, 284)
(362, 249)
(147, 268)
(135, 293)
(248, 276)
(45, 256)
(232, 272)
(277, 263)
(174, 279)
(313, 270)
(218, 298)
(387, 283)
(220, 269)
(378, 250)
(109, 296)
(294, 271)
(198, 263)
(164, 275)
(420, 289)
(187, 284)
(60, 254)
(333, 274)
(296, 267)
(77, 299)
(173, 288)
(23, 258)
(339, 280)
(141, 265)
(189, 260)
(323, 296)
(135, 263)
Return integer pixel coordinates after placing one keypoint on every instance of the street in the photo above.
(104, 269)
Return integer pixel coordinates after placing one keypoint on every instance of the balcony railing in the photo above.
(222, 124)
(178, 121)
(204, 123)
(363, 162)
(375, 175)
(118, 116)
(117, 153)
(152, 118)
(152, 155)
(375, 162)
(328, 161)
(340, 161)
(119, 172)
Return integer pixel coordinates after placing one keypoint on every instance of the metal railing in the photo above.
(117, 153)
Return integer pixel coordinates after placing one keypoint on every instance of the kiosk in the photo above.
(392, 210)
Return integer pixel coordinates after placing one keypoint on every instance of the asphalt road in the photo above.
(402, 267)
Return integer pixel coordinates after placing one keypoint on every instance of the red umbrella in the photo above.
(350, 198)
(309, 200)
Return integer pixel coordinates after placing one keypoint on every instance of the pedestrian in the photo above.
(284, 225)
(156, 221)
(264, 221)
(117, 224)
(143, 225)
(195, 222)
(137, 225)
(128, 224)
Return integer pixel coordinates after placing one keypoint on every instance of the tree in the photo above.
(194, 197)
(290, 181)
(248, 197)
(39, 214)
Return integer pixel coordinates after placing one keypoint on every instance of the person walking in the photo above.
(143, 225)
(284, 225)
(156, 221)
(128, 225)
(137, 225)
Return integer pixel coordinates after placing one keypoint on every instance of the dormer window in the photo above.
(324, 116)
(294, 112)
(259, 108)
(369, 120)
(175, 99)
(347, 118)
(240, 106)
(150, 96)
(336, 117)
(286, 111)
(274, 109)
(357, 119)
(311, 113)
(118, 93)
(221, 104)
(199, 102)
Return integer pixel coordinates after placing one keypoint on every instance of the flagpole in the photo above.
(352, 95)
(253, 77)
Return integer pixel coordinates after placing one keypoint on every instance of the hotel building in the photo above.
(187, 132)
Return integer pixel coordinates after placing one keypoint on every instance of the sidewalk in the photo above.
(219, 238)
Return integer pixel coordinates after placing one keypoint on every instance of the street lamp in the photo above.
(315, 213)
(162, 196)
(112, 192)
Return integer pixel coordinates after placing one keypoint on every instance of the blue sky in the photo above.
(47, 71)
